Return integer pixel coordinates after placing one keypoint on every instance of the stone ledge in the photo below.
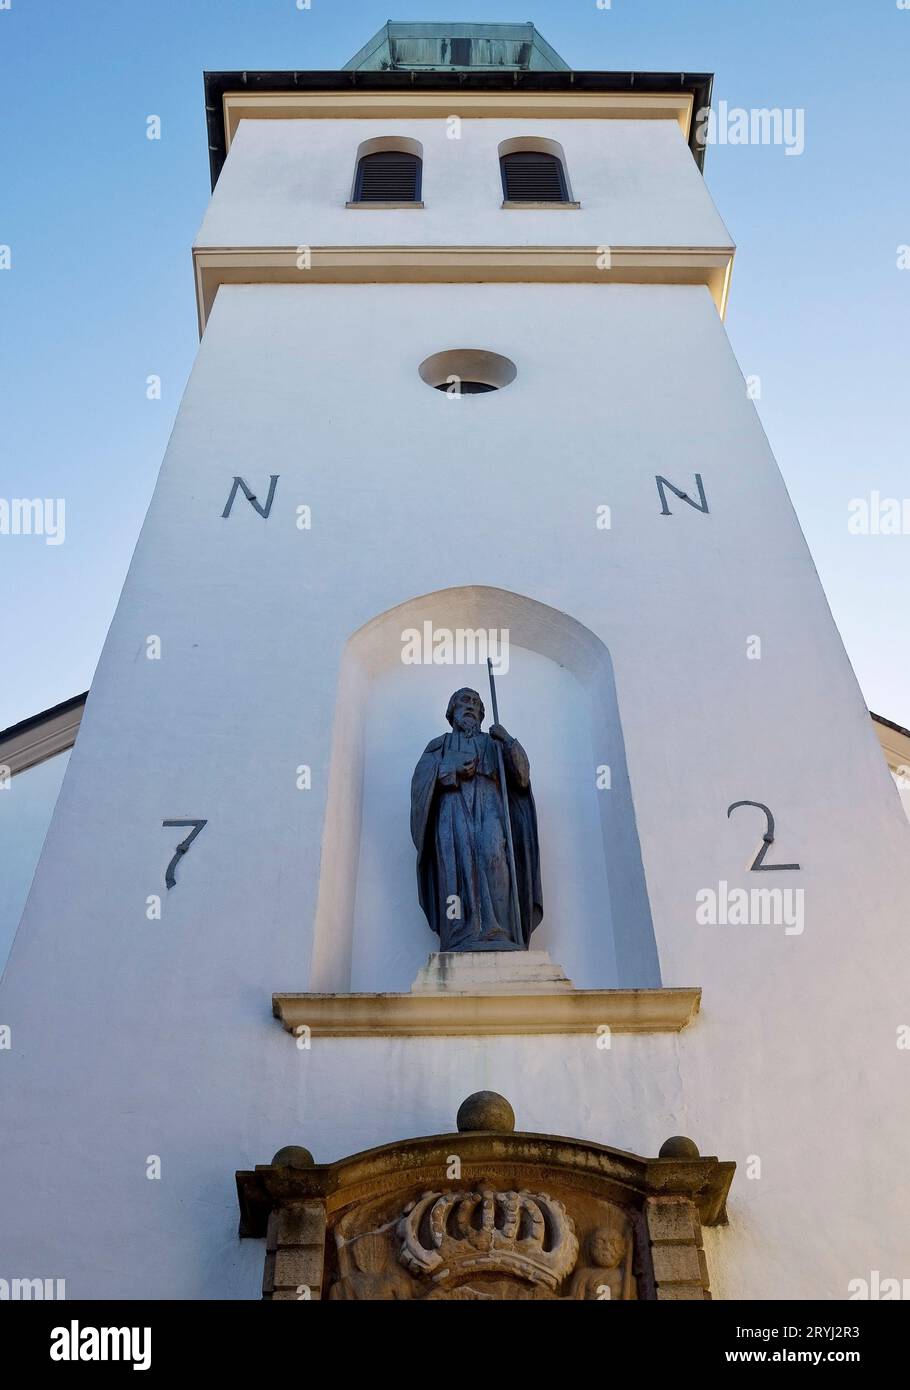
(442, 1015)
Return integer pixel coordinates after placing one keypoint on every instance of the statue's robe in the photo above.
(458, 826)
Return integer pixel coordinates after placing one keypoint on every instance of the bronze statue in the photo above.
(459, 809)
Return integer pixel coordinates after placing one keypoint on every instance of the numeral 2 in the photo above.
(767, 838)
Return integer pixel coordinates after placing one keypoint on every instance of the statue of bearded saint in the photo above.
(458, 823)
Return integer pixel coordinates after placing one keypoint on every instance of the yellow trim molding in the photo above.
(425, 105)
(40, 738)
(895, 744)
(646, 265)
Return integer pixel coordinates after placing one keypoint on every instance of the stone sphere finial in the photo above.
(678, 1146)
(293, 1156)
(487, 1111)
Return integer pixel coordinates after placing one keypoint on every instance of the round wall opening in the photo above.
(456, 386)
(467, 371)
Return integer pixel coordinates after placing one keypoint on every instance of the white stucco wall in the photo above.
(26, 805)
(134, 1037)
(285, 183)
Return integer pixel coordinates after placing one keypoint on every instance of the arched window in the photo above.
(388, 176)
(534, 175)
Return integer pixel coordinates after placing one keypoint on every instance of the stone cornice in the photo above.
(467, 1015)
(529, 1158)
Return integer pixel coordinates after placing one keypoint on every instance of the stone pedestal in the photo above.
(491, 972)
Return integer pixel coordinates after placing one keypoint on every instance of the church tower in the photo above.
(463, 391)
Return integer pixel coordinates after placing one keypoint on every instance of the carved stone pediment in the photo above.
(486, 1215)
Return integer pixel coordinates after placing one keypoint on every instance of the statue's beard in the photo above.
(467, 725)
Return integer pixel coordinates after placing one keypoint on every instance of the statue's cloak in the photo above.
(458, 827)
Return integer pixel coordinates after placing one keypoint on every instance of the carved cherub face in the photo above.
(465, 712)
(606, 1248)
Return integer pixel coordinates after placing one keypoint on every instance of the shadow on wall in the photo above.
(558, 697)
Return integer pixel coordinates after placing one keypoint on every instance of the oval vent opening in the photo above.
(467, 371)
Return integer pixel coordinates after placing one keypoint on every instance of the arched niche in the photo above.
(559, 698)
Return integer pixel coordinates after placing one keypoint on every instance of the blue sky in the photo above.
(100, 293)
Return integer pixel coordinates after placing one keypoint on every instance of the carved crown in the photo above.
(524, 1234)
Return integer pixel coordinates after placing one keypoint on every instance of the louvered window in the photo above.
(389, 176)
(533, 176)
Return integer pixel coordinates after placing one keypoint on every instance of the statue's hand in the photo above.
(454, 766)
(500, 733)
